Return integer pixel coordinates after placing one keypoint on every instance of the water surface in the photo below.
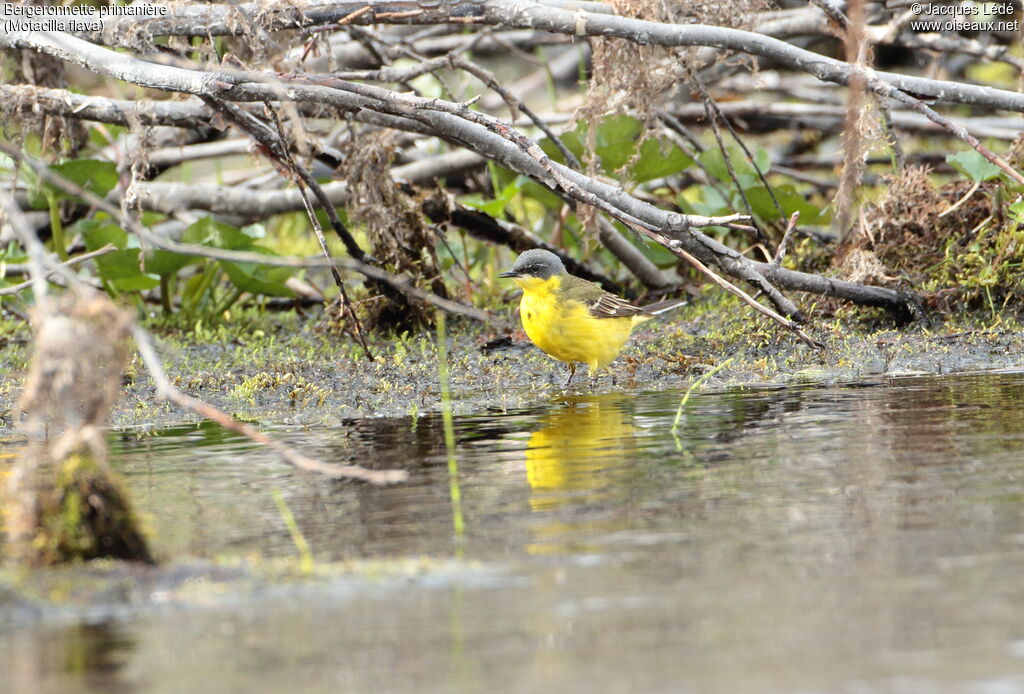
(858, 538)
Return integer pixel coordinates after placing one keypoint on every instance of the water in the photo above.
(863, 538)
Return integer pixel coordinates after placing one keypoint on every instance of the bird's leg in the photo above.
(572, 372)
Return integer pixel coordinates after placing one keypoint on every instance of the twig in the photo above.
(961, 201)
(152, 239)
(37, 256)
(14, 289)
(676, 246)
(780, 252)
(278, 150)
(515, 104)
(293, 166)
(166, 390)
(880, 87)
(219, 20)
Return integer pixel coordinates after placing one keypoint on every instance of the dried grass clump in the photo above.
(906, 229)
(639, 79)
(65, 503)
(397, 236)
(953, 244)
(864, 267)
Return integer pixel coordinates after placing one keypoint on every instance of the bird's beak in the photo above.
(510, 273)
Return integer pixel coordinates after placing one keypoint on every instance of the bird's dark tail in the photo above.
(663, 306)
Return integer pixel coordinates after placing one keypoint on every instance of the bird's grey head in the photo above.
(536, 263)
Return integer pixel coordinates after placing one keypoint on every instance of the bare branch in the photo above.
(14, 289)
(166, 390)
(148, 237)
(217, 20)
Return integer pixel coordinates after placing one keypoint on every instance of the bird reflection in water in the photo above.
(579, 456)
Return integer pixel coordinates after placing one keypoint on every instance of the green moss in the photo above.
(87, 516)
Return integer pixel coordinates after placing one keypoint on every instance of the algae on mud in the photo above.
(280, 367)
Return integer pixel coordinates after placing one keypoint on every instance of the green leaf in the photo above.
(714, 162)
(704, 200)
(159, 262)
(122, 270)
(973, 165)
(616, 141)
(98, 234)
(495, 207)
(763, 160)
(209, 232)
(96, 176)
(656, 162)
(108, 135)
(572, 140)
(544, 195)
(789, 199)
(259, 279)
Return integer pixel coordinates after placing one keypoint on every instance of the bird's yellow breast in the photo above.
(566, 329)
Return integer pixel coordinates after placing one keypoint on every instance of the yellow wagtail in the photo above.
(571, 319)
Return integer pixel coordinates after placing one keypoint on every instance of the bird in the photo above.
(573, 319)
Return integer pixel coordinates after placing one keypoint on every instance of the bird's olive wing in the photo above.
(611, 306)
(600, 303)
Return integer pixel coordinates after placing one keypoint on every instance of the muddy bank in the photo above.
(287, 369)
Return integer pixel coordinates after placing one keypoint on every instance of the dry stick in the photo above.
(26, 100)
(14, 289)
(676, 247)
(954, 129)
(436, 117)
(780, 252)
(293, 166)
(166, 390)
(712, 116)
(767, 116)
(152, 239)
(262, 133)
(218, 19)
(960, 44)
(344, 21)
(515, 103)
(260, 203)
